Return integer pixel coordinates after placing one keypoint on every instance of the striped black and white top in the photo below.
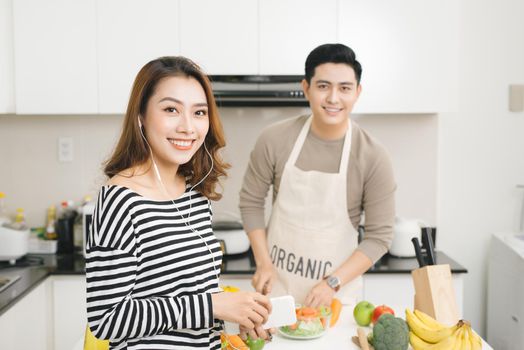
(149, 276)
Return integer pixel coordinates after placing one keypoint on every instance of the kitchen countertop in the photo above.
(235, 265)
(338, 337)
(244, 264)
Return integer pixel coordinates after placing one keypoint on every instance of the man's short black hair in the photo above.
(332, 53)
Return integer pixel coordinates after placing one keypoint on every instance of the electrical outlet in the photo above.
(65, 149)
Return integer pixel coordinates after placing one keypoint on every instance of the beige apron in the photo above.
(310, 233)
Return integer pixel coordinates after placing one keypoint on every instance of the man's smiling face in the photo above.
(332, 93)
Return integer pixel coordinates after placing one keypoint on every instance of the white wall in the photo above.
(481, 146)
(28, 147)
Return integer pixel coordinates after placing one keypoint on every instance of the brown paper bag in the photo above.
(434, 293)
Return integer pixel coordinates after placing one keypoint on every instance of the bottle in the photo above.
(50, 231)
(19, 223)
(4, 219)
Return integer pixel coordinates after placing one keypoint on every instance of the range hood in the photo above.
(258, 90)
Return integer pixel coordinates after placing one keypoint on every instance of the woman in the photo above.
(153, 262)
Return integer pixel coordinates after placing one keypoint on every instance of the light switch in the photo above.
(65, 149)
(516, 98)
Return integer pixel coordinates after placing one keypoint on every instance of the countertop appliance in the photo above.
(14, 243)
(232, 237)
(403, 232)
(505, 314)
(258, 90)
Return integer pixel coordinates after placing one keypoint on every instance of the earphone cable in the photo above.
(186, 219)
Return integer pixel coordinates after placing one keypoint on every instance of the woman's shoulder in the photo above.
(133, 179)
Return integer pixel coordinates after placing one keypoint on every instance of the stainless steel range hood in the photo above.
(258, 90)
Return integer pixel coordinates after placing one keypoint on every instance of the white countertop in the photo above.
(338, 337)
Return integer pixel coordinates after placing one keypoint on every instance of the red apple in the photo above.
(379, 311)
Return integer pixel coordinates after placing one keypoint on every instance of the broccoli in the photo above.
(390, 333)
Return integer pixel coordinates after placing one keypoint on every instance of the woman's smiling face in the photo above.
(176, 121)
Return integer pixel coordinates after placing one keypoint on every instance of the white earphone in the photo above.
(159, 178)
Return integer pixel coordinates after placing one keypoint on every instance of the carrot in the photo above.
(236, 342)
(293, 326)
(336, 308)
(309, 311)
(323, 322)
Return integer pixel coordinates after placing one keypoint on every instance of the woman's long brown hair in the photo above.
(131, 149)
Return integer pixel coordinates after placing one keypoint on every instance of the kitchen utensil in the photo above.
(418, 252)
(404, 230)
(427, 242)
(434, 293)
(282, 314)
(14, 243)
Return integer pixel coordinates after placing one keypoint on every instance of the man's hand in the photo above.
(263, 279)
(320, 295)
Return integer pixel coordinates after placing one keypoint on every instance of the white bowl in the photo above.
(14, 244)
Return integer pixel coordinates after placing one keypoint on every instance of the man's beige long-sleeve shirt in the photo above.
(371, 184)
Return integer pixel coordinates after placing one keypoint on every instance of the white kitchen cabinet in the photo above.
(396, 289)
(69, 310)
(27, 325)
(221, 44)
(406, 49)
(7, 66)
(130, 34)
(55, 55)
(290, 29)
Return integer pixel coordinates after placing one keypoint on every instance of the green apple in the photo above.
(255, 344)
(363, 312)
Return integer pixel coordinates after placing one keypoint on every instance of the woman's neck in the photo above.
(162, 181)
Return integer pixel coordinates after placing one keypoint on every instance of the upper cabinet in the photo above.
(81, 56)
(404, 47)
(290, 29)
(130, 34)
(55, 55)
(221, 36)
(7, 86)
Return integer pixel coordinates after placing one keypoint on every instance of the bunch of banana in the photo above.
(428, 334)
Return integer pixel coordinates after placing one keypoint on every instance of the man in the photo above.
(326, 172)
